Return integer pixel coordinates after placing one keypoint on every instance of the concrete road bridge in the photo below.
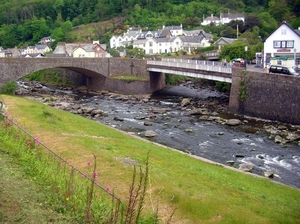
(211, 70)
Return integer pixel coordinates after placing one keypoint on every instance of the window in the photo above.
(150, 44)
(283, 44)
(277, 44)
(283, 32)
(290, 43)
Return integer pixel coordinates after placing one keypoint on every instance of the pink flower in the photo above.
(95, 174)
(107, 188)
(6, 115)
(28, 144)
(83, 176)
(88, 163)
(36, 140)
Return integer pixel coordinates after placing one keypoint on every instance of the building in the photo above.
(223, 41)
(80, 50)
(125, 39)
(227, 17)
(46, 40)
(159, 42)
(211, 20)
(224, 18)
(175, 30)
(282, 47)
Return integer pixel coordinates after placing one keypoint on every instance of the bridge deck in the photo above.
(193, 68)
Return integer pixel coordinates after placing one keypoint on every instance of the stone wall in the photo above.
(265, 95)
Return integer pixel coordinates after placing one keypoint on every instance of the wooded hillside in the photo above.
(25, 22)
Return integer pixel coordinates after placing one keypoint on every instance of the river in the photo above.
(229, 145)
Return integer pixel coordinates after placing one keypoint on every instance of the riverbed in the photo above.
(163, 113)
(229, 145)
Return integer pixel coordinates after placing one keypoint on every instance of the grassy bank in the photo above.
(199, 192)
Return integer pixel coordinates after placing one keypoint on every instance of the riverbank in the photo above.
(195, 182)
(193, 120)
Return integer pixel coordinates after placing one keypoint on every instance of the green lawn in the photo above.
(198, 191)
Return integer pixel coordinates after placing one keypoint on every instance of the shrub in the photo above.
(9, 88)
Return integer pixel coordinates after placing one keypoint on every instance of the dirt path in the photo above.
(21, 200)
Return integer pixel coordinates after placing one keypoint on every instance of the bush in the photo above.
(9, 88)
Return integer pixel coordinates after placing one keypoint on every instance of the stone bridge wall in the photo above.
(268, 96)
(97, 71)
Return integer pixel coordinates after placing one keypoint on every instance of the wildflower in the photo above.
(83, 176)
(89, 163)
(6, 115)
(95, 175)
(28, 144)
(36, 140)
(67, 199)
(107, 189)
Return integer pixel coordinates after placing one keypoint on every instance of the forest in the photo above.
(25, 22)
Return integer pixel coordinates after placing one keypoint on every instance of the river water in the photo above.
(208, 139)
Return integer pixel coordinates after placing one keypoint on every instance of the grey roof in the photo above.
(56, 55)
(212, 18)
(226, 40)
(41, 46)
(139, 41)
(165, 39)
(31, 55)
(191, 39)
(145, 33)
(231, 15)
(172, 27)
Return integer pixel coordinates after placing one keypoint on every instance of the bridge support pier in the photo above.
(157, 80)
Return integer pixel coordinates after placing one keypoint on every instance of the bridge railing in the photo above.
(191, 64)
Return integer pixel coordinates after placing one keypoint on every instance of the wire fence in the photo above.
(3, 116)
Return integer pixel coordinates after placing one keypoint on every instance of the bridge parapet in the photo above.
(193, 68)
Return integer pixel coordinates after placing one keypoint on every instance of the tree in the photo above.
(251, 21)
(268, 24)
(236, 50)
(279, 10)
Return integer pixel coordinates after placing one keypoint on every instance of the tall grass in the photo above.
(70, 191)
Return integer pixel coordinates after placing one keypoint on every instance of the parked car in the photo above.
(282, 70)
(238, 62)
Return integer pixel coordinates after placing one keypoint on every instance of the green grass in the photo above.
(128, 78)
(200, 192)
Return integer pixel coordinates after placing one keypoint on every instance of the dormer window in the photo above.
(283, 32)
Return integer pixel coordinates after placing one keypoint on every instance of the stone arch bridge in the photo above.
(98, 72)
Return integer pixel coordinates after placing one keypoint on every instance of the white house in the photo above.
(175, 30)
(80, 50)
(125, 39)
(227, 17)
(46, 40)
(224, 18)
(282, 47)
(211, 20)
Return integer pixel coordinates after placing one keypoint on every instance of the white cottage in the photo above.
(282, 47)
